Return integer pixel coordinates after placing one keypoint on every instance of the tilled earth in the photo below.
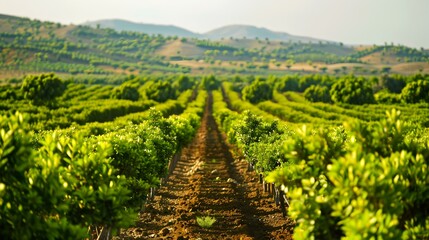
(210, 180)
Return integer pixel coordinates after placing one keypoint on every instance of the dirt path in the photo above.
(209, 181)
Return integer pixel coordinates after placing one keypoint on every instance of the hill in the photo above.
(151, 29)
(252, 32)
(30, 46)
(230, 31)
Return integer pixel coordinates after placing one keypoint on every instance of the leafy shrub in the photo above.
(183, 83)
(352, 90)
(385, 97)
(126, 91)
(59, 191)
(316, 93)
(393, 84)
(369, 185)
(42, 88)
(258, 91)
(210, 83)
(416, 91)
(160, 91)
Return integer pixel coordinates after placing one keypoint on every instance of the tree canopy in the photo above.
(258, 91)
(126, 91)
(417, 91)
(42, 89)
(210, 83)
(316, 93)
(160, 91)
(352, 90)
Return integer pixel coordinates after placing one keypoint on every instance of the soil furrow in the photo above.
(209, 180)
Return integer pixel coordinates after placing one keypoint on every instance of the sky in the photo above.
(364, 22)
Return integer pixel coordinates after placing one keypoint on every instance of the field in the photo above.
(209, 179)
(108, 135)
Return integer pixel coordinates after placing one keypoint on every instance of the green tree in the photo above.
(42, 89)
(62, 190)
(307, 81)
(386, 69)
(372, 187)
(160, 91)
(417, 91)
(126, 91)
(394, 84)
(387, 97)
(26, 210)
(316, 93)
(288, 84)
(352, 90)
(183, 83)
(257, 91)
(210, 83)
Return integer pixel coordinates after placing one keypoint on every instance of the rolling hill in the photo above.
(28, 46)
(252, 32)
(151, 29)
(230, 31)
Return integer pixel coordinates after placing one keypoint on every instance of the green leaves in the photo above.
(372, 184)
(370, 189)
(61, 189)
(316, 93)
(68, 184)
(126, 91)
(141, 152)
(43, 88)
(352, 90)
(357, 181)
(160, 91)
(257, 138)
(416, 91)
(258, 91)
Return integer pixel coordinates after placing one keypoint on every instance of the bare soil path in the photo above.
(209, 180)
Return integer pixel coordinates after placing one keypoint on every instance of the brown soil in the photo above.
(210, 180)
(177, 47)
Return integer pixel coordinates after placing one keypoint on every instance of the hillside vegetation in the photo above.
(31, 46)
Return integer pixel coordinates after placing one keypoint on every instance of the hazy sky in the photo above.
(349, 21)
